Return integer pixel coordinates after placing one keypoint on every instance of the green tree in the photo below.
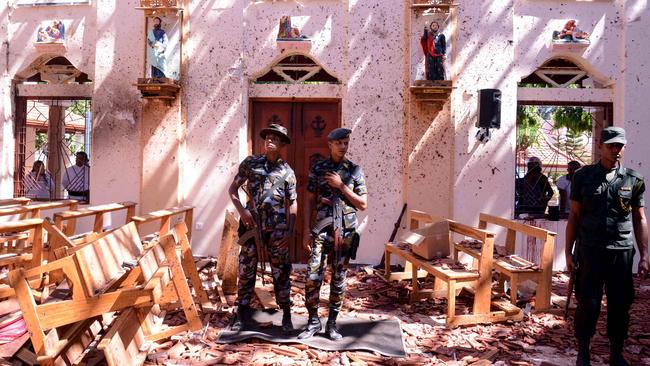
(528, 125)
(80, 107)
(575, 119)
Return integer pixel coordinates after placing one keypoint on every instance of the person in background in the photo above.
(76, 179)
(533, 190)
(564, 185)
(38, 183)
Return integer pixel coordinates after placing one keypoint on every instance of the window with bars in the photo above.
(552, 140)
(52, 149)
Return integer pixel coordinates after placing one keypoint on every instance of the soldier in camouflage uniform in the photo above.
(271, 187)
(330, 179)
(607, 214)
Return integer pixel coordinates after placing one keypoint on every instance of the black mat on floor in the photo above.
(382, 336)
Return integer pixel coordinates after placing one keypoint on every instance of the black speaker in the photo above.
(489, 108)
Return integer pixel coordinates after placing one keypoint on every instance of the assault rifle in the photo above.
(256, 234)
(572, 278)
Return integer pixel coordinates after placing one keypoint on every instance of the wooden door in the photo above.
(308, 124)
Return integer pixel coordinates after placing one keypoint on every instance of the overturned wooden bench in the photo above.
(182, 232)
(516, 268)
(113, 274)
(450, 280)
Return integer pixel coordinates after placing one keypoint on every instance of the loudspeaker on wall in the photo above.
(489, 108)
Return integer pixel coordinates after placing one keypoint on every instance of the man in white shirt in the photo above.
(564, 185)
(76, 179)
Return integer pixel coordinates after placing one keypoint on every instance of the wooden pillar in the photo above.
(56, 153)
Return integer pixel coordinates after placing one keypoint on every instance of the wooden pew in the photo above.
(518, 269)
(26, 238)
(115, 273)
(182, 232)
(164, 217)
(448, 281)
(18, 201)
(35, 210)
(67, 220)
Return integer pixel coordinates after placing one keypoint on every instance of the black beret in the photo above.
(339, 133)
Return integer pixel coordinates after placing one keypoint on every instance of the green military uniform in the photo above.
(605, 248)
(270, 185)
(323, 244)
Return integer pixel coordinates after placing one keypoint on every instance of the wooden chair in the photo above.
(115, 273)
(449, 281)
(518, 269)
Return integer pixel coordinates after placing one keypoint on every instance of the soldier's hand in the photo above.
(569, 263)
(644, 268)
(247, 218)
(333, 179)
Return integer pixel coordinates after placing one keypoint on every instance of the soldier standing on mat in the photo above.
(271, 187)
(607, 215)
(337, 189)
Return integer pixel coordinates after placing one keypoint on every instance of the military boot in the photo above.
(330, 329)
(243, 318)
(313, 325)
(287, 325)
(616, 353)
(583, 358)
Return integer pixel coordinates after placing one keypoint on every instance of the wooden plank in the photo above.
(60, 313)
(266, 298)
(492, 317)
(228, 259)
(189, 267)
(28, 307)
(90, 211)
(14, 201)
(517, 226)
(182, 289)
(122, 345)
(507, 307)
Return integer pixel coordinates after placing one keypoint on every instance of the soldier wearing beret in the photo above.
(607, 215)
(271, 187)
(337, 189)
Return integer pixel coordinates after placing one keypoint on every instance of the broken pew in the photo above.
(448, 281)
(182, 232)
(112, 274)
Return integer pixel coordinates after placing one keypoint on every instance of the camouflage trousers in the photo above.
(277, 256)
(322, 247)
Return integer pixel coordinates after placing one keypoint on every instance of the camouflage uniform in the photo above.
(260, 176)
(323, 244)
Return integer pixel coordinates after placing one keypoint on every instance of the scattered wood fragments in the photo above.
(539, 338)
